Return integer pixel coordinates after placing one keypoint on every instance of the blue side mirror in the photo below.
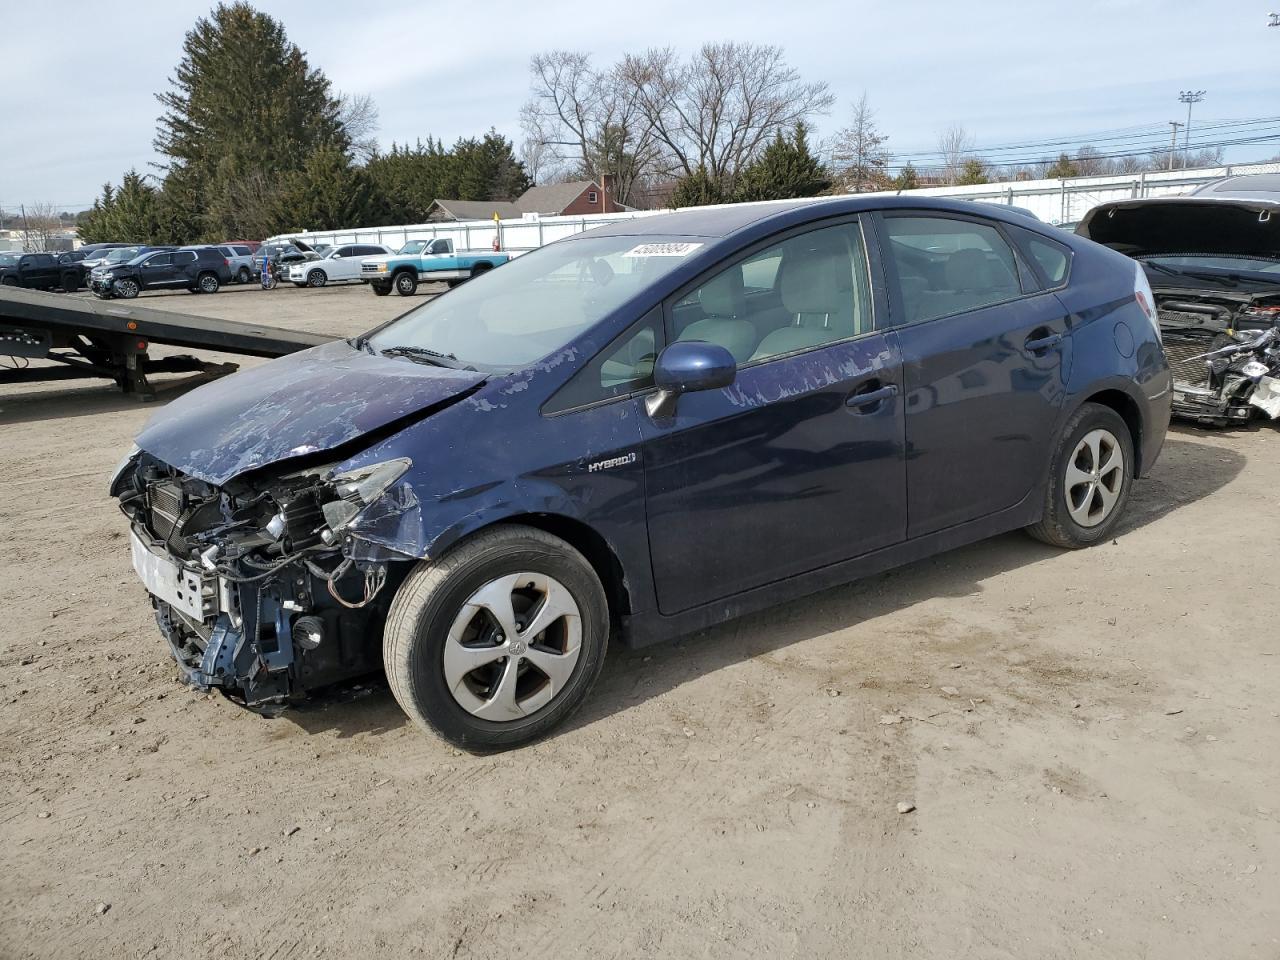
(687, 366)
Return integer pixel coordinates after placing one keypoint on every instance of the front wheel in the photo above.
(406, 284)
(317, 278)
(126, 289)
(380, 289)
(1089, 480)
(500, 640)
(70, 282)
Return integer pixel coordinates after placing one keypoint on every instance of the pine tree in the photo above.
(786, 169)
(130, 214)
(698, 189)
(243, 101)
(907, 178)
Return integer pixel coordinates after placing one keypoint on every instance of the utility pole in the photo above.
(1190, 98)
(1173, 143)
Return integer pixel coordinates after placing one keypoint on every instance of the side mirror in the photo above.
(687, 366)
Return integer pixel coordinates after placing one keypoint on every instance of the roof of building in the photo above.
(479, 209)
(553, 197)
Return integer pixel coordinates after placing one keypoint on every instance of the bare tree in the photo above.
(587, 121)
(40, 225)
(358, 114)
(859, 151)
(536, 155)
(717, 111)
(955, 143)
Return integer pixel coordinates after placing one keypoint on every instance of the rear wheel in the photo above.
(243, 275)
(499, 641)
(127, 288)
(1089, 480)
(208, 283)
(406, 284)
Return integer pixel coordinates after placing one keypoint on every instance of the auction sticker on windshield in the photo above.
(662, 250)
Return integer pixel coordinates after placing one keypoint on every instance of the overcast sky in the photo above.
(82, 110)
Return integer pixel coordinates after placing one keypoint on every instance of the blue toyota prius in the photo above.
(638, 432)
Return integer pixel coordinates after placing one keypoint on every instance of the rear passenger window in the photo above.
(803, 292)
(184, 256)
(948, 266)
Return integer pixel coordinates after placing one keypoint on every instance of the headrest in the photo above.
(723, 295)
(816, 281)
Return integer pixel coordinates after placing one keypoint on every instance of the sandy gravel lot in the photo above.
(1091, 742)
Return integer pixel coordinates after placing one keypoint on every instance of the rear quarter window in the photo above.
(1053, 259)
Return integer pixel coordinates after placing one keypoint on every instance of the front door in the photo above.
(157, 270)
(985, 356)
(798, 464)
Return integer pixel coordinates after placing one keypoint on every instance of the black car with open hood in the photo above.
(1213, 261)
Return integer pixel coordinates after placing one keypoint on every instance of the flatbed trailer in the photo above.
(110, 340)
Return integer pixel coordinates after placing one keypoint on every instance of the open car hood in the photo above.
(1174, 225)
(297, 406)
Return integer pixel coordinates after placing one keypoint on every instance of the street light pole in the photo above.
(1190, 98)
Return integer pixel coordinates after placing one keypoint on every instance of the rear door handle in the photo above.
(1040, 344)
(872, 398)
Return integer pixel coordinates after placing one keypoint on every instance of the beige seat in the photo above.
(816, 288)
(723, 304)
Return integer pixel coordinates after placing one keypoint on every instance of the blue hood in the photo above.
(298, 405)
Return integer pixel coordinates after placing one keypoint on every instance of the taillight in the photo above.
(1146, 300)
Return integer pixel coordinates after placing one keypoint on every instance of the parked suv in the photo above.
(38, 271)
(199, 269)
(241, 261)
(339, 263)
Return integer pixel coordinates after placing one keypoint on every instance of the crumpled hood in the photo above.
(298, 405)
(1174, 225)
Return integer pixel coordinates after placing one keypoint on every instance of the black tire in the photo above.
(70, 282)
(429, 600)
(9, 282)
(301, 285)
(480, 268)
(317, 278)
(243, 275)
(1057, 527)
(380, 290)
(127, 289)
(208, 283)
(406, 283)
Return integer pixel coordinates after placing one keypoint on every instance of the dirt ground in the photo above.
(1090, 741)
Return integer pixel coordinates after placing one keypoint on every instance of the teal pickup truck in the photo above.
(426, 261)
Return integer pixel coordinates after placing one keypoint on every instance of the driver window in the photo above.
(802, 292)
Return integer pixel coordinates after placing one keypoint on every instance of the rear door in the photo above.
(985, 354)
(798, 464)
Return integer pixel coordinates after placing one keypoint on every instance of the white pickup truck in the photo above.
(427, 261)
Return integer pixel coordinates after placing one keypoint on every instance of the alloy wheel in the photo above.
(128, 289)
(513, 646)
(209, 283)
(1095, 477)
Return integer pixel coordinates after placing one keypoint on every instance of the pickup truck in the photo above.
(426, 261)
(39, 271)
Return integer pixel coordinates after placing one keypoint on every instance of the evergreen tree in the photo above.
(130, 214)
(243, 100)
(907, 178)
(973, 171)
(697, 189)
(786, 169)
(327, 193)
(1062, 168)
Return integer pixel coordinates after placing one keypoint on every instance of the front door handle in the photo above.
(1041, 344)
(865, 402)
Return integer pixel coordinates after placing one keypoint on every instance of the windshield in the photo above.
(121, 254)
(7, 259)
(413, 246)
(534, 305)
(1253, 268)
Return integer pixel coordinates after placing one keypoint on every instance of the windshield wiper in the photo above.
(426, 355)
(1226, 281)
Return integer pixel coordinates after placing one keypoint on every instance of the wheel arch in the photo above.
(582, 537)
(1130, 412)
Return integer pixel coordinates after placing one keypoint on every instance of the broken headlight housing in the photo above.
(358, 488)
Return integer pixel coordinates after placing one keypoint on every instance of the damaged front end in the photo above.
(1225, 357)
(261, 589)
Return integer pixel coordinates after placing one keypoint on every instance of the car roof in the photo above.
(1251, 186)
(727, 219)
